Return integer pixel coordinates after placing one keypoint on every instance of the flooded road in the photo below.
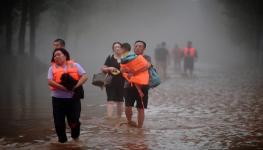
(217, 109)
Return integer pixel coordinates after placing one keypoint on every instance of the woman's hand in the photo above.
(112, 69)
(56, 85)
(107, 69)
(81, 81)
(63, 88)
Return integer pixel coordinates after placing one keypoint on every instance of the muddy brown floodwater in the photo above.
(217, 109)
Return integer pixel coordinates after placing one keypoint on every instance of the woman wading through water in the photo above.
(114, 90)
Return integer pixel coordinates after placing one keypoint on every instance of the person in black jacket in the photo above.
(114, 90)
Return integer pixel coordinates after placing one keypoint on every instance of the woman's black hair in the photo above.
(64, 51)
(114, 44)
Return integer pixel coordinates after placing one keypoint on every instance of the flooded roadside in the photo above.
(217, 109)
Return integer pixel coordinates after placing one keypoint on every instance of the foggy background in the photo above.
(226, 34)
(90, 27)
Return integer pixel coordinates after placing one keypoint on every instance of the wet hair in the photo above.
(64, 51)
(115, 43)
(61, 41)
(144, 44)
(126, 46)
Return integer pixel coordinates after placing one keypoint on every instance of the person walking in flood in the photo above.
(114, 90)
(161, 54)
(135, 69)
(190, 56)
(65, 99)
(177, 54)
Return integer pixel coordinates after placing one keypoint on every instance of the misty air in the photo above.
(131, 74)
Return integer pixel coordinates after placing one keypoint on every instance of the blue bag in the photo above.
(154, 78)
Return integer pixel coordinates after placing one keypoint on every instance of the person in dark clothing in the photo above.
(162, 59)
(64, 105)
(114, 90)
(177, 55)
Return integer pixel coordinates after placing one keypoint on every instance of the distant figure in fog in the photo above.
(114, 90)
(177, 54)
(64, 101)
(59, 43)
(190, 56)
(161, 59)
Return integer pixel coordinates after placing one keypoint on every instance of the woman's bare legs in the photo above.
(110, 105)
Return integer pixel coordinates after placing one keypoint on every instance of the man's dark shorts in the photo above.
(131, 96)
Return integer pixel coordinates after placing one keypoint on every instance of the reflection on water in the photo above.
(217, 109)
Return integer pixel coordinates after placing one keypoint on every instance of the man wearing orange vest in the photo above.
(190, 56)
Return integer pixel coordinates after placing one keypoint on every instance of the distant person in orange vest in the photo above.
(162, 59)
(59, 43)
(190, 56)
(177, 54)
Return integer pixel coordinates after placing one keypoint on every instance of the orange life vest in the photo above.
(190, 52)
(57, 71)
(141, 78)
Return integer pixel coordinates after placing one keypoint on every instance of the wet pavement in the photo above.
(217, 109)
